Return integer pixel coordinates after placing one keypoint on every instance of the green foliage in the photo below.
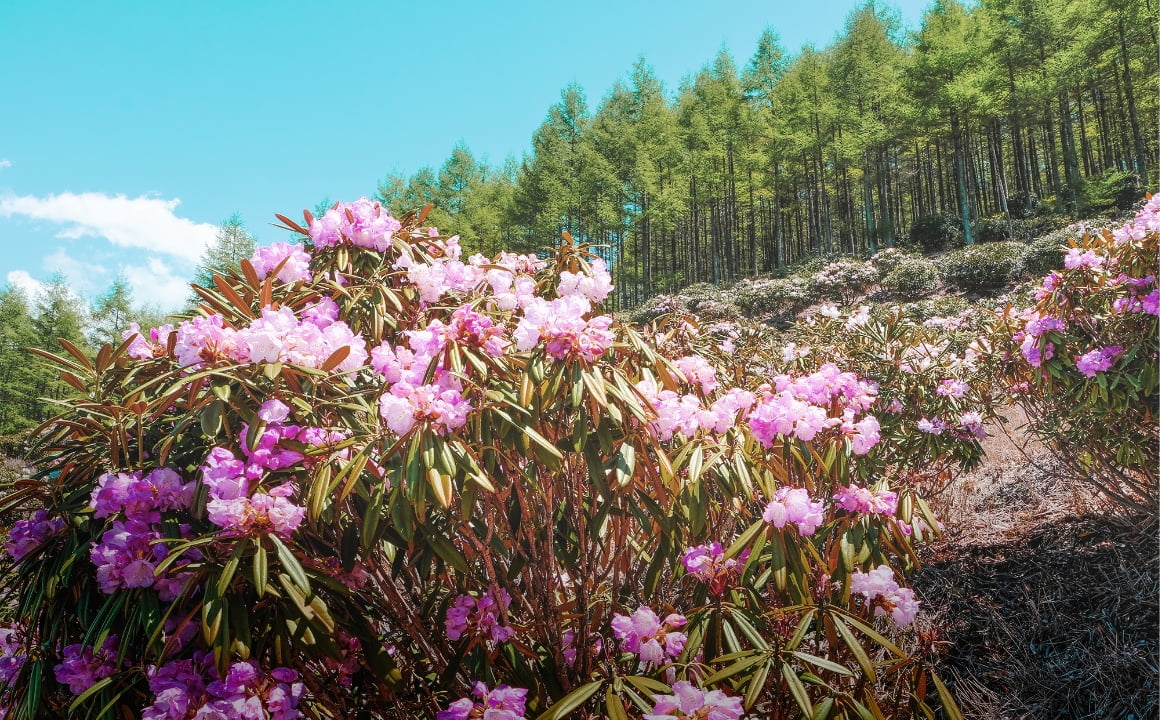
(230, 246)
(934, 233)
(982, 267)
(777, 297)
(1111, 190)
(912, 278)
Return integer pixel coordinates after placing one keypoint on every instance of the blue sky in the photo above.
(129, 130)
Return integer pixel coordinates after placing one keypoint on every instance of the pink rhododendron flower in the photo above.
(296, 267)
(708, 564)
(1098, 361)
(793, 505)
(362, 223)
(689, 702)
(192, 688)
(27, 535)
(502, 703)
(884, 595)
(595, 287)
(1077, 258)
(698, 371)
(13, 653)
(481, 617)
(972, 423)
(80, 667)
(650, 637)
(856, 499)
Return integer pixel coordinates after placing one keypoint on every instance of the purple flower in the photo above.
(502, 703)
(27, 535)
(296, 267)
(793, 505)
(80, 668)
(689, 701)
(708, 564)
(1097, 361)
(480, 617)
(646, 634)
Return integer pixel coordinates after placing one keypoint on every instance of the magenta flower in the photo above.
(13, 653)
(691, 703)
(502, 703)
(27, 535)
(297, 262)
(708, 564)
(1098, 361)
(80, 668)
(884, 595)
(481, 617)
(793, 505)
(647, 635)
(855, 499)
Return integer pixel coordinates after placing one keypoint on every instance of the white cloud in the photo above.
(84, 277)
(144, 222)
(30, 285)
(155, 283)
(5, 163)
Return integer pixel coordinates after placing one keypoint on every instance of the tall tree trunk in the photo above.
(960, 162)
(1137, 139)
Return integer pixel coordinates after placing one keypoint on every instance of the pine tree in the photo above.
(232, 244)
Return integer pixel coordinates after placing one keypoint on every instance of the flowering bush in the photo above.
(982, 267)
(845, 280)
(912, 278)
(372, 478)
(782, 297)
(1082, 361)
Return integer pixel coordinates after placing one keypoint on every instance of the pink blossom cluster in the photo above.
(884, 595)
(279, 336)
(144, 347)
(708, 564)
(276, 336)
(1077, 258)
(952, 388)
(81, 667)
(193, 689)
(794, 505)
(971, 424)
(645, 634)
(857, 499)
(13, 654)
(480, 616)
(27, 535)
(232, 508)
(410, 399)
(698, 371)
(1146, 221)
(350, 662)
(863, 434)
(685, 413)
(510, 278)
(502, 703)
(1035, 350)
(570, 650)
(596, 286)
(291, 262)
(561, 325)
(362, 223)
(800, 407)
(443, 272)
(128, 552)
(1098, 360)
(688, 702)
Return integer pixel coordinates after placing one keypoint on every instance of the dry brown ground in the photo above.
(1049, 604)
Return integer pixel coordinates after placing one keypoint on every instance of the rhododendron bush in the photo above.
(375, 478)
(1082, 361)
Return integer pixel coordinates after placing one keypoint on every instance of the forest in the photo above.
(987, 117)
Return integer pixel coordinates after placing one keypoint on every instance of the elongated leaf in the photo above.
(855, 648)
(571, 701)
(797, 689)
(822, 663)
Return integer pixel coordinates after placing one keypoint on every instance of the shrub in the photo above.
(1111, 190)
(912, 278)
(933, 233)
(886, 260)
(1082, 361)
(981, 267)
(997, 229)
(845, 280)
(779, 298)
(369, 479)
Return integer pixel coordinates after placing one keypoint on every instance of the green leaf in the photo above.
(822, 663)
(734, 669)
(797, 689)
(571, 701)
(290, 564)
(856, 648)
(944, 695)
